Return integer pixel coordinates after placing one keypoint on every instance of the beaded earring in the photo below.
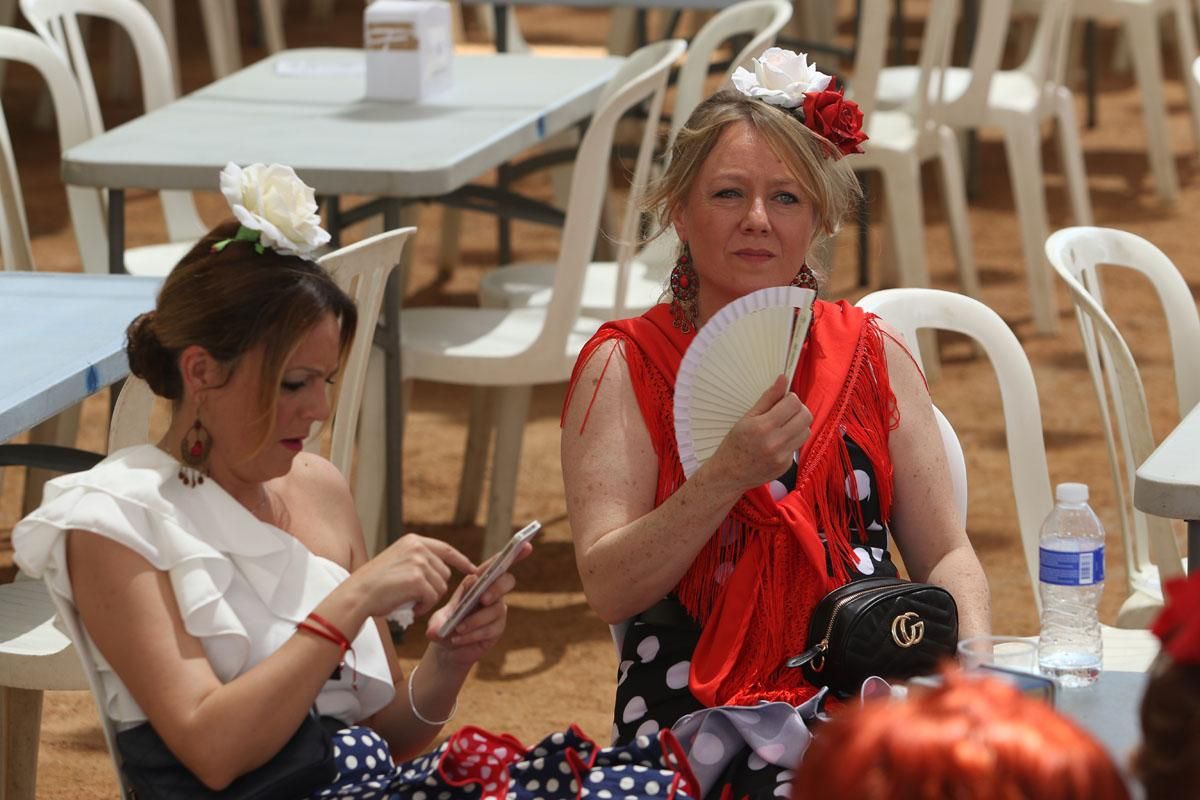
(806, 278)
(194, 451)
(685, 286)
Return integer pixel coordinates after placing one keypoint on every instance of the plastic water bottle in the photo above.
(1071, 579)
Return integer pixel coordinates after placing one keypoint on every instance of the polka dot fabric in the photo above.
(474, 764)
(652, 676)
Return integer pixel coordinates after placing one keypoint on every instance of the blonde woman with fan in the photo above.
(718, 553)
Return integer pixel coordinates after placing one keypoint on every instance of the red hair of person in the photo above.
(973, 738)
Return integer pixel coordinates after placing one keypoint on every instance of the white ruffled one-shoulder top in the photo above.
(240, 583)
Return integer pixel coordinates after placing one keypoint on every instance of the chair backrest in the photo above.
(910, 310)
(759, 19)
(937, 44)
(643, 76)
(956, 461)
(1076, 254)
(14, 227)
(991, 31)
(87, 215)
(57, 22)
(1046, 61)
(362, 270)
(69, 618)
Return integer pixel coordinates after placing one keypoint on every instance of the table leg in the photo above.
(1090, 58)
(116, 231)
(503, 224)
(1193, 543)
(500, 15)
(898, 33)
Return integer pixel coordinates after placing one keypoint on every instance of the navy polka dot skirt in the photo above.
(474, 763)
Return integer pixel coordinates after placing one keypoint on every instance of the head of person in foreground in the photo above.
(973, 738)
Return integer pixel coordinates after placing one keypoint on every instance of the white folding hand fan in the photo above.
(734, 358)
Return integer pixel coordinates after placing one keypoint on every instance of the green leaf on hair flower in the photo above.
(243, 234)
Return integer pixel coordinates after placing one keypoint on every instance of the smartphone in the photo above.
(496, 567)
(1035, 686)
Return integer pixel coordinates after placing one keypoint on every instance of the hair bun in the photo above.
(150, 360)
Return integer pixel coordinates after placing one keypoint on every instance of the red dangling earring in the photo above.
(194, 451)
(806, 278)
(685, 286)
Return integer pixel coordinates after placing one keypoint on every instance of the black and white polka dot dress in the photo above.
(652, 676)
(474, 764)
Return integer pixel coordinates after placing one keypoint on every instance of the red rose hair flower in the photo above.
(829, 114)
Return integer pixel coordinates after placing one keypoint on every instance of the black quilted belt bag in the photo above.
(888, 627)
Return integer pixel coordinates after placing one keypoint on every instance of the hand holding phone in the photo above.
(499, 565)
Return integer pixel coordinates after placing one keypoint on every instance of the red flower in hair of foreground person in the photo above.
(829, 114)
(1178, 626)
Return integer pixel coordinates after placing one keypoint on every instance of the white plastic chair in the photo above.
(56, 21)
(1017, 101)
(903, 138)
(761, 20)
(645, 273)
(35, 656)
(505, 352)
(87, 216)
(1151, 552)
(909, 310)
(1140, 21)
(362, 270)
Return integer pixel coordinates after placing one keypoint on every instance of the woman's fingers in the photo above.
(769, 398)
(450, 556)
(485, 625)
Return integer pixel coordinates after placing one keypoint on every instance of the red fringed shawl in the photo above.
(754, 584)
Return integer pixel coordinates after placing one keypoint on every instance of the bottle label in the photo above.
(1071, 569)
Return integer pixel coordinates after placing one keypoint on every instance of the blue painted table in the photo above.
(62, 338)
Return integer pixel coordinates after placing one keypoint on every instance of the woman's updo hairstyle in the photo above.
(230, 301)
(814, 162)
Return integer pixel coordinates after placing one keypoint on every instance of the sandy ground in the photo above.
(556, 664)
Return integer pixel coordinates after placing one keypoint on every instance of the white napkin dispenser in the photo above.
(409, 48)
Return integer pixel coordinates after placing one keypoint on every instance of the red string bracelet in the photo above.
(330, 632)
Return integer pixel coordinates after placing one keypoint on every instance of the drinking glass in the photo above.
(1010, 652)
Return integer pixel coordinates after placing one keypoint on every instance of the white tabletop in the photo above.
(62, 338)
(1168, 482)
(306, 108)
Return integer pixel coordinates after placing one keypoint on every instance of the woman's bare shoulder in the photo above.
(320, 509)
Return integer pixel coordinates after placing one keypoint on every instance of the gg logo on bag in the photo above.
(907, 633)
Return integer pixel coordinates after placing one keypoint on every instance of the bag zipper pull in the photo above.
(809, 654)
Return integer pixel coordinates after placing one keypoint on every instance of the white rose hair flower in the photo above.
(274, 207)
(781, 78)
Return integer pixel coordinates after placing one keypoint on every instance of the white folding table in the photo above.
(1167, 483)
(306, 108)
(62, 338)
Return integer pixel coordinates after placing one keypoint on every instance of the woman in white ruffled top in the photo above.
(221, 574)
